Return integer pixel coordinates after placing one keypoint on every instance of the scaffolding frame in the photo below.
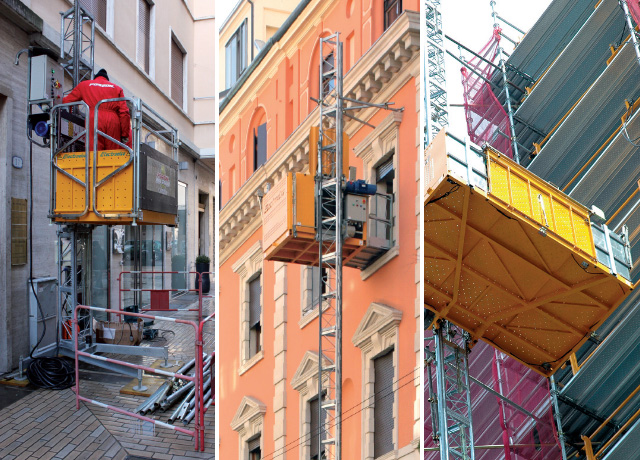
(435, 92)
(451, 399)
(76, 45)
(503, 88)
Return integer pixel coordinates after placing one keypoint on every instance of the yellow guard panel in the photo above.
(514, 266)
(114, 197)
(288, 228)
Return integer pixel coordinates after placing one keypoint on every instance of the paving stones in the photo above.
(45, 425)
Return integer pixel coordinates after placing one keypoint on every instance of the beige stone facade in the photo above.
(187, 24)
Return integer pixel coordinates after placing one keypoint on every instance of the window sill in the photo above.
(248, 364)
(309, 316)
(374, 267)
(393, 455)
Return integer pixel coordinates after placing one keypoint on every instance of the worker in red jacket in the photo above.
(114, 118)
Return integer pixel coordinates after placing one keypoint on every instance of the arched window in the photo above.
(256, 151)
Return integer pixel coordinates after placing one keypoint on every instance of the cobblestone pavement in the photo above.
(45, 424)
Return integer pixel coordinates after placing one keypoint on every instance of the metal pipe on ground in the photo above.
(192, 412)
(176, 414)
(151, 398)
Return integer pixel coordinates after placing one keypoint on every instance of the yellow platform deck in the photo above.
(511, 259)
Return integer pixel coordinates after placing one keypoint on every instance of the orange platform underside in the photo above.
(489, 270)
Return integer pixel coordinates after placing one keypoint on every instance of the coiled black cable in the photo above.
(51, 373)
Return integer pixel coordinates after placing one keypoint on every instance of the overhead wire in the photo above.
(297, 442)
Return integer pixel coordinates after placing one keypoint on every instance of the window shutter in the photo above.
(177, 74)
(262, 145)
(314, 410)
(383, 405)
(98, 9)
(255, 289)
(384, 169)
(144, 33)
(253, 444)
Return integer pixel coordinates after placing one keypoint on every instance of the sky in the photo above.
(223, 9)
(470, 23)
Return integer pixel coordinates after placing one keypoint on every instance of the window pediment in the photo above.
(250, 410)
(376, 320)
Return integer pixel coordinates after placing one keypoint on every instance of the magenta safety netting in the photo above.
(502, 432)
(487, 121)
(634, 9)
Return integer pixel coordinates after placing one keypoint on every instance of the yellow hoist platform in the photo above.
(289, 217)
(117, 198)
(513, 260)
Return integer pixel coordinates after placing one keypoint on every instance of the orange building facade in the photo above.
(268, 319)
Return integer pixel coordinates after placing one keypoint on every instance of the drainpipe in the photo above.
(252, 39)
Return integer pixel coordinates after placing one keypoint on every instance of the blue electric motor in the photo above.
(360, 187)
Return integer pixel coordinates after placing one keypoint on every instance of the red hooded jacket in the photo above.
(114, 118)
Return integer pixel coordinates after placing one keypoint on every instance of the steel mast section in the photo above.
(76, 44)
(450, 400)
(330, 182)
(435, 93)
(330, 236)
(77, 35)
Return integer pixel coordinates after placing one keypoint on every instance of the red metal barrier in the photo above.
(136, 272)
(198, 431)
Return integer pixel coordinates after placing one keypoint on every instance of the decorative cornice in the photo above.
(253, 256)
(375, 77)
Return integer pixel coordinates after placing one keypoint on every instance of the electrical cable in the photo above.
(51, 373)
(453, 189)
(296, 442)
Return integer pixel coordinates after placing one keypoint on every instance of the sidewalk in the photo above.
(45, 425)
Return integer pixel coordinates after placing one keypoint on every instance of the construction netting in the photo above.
(634, 9)
(523, 430)
(487, 121)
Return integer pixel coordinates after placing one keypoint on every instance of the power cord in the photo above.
(50, 373)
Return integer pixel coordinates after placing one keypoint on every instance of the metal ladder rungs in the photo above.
(326, 183)
(329, 257)
(329, 331)
(329, 368)
(329, 147)
(329, 404)
(329, 295)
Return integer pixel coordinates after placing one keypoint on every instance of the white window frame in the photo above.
(305, 382)
(152, 38)
(241, 54)
(248, 422)
(306, 291)
(247, 268)
(374, 150)
(109, 26)
(110, 19)
(377, 333)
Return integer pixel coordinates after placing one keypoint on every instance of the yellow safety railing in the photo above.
(588, 440)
